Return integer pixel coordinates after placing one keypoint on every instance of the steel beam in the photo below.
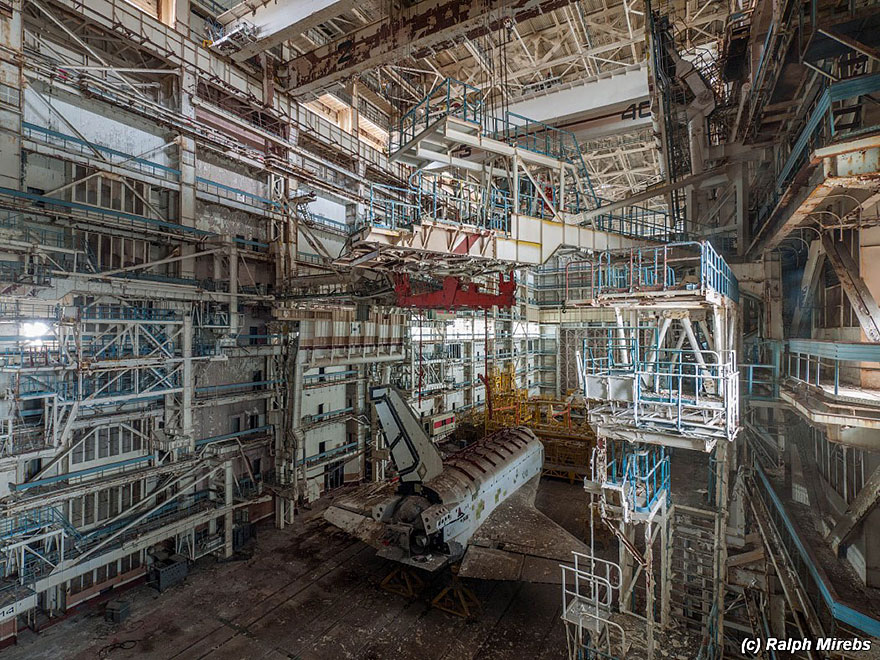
(651, 193)
(809, 283)
(855, 44)
(415, 31)
(861, 506)
(274, 22)
(847, 272)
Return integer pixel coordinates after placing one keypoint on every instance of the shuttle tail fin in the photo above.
(412, 451)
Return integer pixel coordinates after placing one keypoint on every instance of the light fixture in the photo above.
(33, 329)
(33, 332)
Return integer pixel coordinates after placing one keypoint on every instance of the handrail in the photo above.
(812, 352)
(840, 611)
(653, 269)
(810, 134)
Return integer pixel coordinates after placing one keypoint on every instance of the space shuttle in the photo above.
(476, 506)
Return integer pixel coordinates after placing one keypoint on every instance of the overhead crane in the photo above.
(490, 192)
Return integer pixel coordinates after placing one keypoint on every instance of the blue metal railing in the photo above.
(232, 436)
(392, 207)
(70, 142)
(818, 129)
(99, 387)
(127, 313)
(220, 190)
(652, 269)
(75, 474)
(636, 222)
(315, 380)
(642, 472)
(820, 593)
(320, 417)
(805, 358)
(450, 98)
(328, 455)
(31, 521)
(759, 381)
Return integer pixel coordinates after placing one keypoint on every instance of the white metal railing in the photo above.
(589, 589)
(590, 584)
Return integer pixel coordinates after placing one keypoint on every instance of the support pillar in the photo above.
(773, 297)
(649, 589)
(186, 152)
(233, 289)
(626, 561)
(740, 181)
(186, 412)
(11, 82)
(721, 499)
(228, 520)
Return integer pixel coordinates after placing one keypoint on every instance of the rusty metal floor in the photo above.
(312, 592)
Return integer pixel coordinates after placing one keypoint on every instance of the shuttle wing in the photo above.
(352, 512)
(518, 542)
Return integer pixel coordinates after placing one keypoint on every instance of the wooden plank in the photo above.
(745, 558)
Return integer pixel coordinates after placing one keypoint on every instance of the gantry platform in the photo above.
(489, 190)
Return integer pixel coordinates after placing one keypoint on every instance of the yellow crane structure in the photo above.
(560, 424)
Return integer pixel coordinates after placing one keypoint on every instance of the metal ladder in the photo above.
(693, 567)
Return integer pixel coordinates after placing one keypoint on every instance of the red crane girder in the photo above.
(456, 294)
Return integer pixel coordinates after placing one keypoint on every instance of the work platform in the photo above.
(832, 383)
(825, 163)
(671, 276)
(489, 190)
(665, 370)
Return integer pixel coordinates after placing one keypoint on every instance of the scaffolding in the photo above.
(562, 425)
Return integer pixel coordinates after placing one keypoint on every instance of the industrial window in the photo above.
(125, 564)
(88, 509)
(112, 570)
(75, 585)
(76, 511)
(101, 574)
(89, 448)
(103, 443)
(114, 441)
(8, 95)
(135, 559)
(114, 501)
(78, 453)
(103, 505)
(150, 7)
(163, 10)
(87, 580)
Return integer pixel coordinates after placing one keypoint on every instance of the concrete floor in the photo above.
(312, 592)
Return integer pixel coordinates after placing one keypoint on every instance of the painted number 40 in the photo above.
(637, 111)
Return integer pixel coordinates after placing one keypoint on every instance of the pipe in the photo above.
(364, 359)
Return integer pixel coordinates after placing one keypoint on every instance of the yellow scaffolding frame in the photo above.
(560, 424)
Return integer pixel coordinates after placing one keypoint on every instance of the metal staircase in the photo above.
(693, 567)
(590, 588)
